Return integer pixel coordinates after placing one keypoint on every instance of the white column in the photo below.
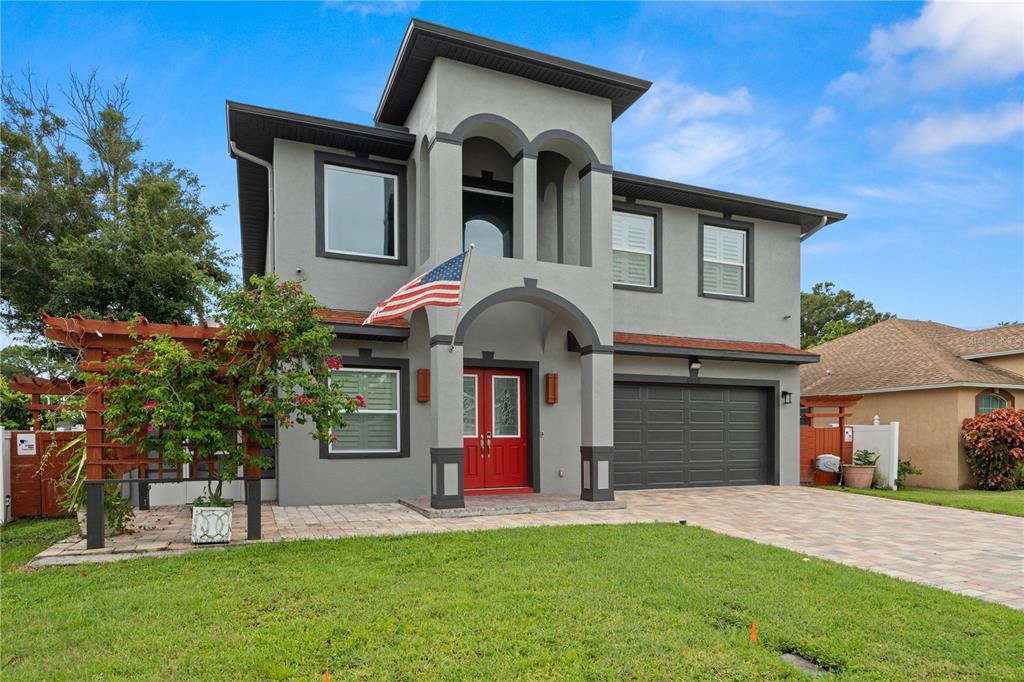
(524, 211)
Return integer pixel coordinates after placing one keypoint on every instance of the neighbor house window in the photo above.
(360, 207)
(633, 245)
(487, 221)
(990, 402)
(376, 427)
(724, 265)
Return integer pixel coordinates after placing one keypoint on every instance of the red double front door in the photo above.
(494, 427)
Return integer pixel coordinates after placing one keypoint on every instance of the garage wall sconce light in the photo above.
(694, 367)
(787, 398)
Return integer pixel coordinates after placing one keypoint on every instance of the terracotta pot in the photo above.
(857, 476)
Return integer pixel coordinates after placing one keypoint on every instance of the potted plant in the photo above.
(861, 473)
(270, 358)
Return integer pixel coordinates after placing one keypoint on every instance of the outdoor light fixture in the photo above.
(694, 364)
(787, 398)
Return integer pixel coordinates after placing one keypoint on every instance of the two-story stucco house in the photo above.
(616, 331)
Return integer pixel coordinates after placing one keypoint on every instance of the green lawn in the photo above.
(23, 539)
(587, 602)
(998, 502)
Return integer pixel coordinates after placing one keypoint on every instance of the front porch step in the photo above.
(495, 505)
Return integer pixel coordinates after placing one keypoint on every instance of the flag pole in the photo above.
(458, 310)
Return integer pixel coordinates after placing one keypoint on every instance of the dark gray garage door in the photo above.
(669, 436)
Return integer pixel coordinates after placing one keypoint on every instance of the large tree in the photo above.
(827, 314)
(110, 234)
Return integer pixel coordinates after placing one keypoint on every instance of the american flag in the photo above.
(442, 286)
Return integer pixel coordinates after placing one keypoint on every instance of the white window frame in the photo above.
(333, 448)
(745, 250)
(650, 253)
(476, 407)
(332, 168)
(519, 404)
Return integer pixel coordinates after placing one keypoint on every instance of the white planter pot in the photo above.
(211, 525)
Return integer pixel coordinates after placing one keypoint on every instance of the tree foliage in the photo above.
(272, 357)
(109, 234)
(827, 314)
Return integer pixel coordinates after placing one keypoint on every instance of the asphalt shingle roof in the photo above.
(903, 353)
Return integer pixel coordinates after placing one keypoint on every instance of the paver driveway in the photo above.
(973, 553)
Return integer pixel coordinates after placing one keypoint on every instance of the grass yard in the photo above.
(586, 602)
(23, 539)
(1009, 502)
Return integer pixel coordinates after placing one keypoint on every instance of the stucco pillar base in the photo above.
(446, 478)
(596, 475)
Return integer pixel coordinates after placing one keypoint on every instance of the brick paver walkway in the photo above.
(973, 553)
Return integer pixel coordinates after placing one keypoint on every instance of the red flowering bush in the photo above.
(995, 448)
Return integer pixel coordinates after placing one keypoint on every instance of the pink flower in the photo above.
(267, 399)
(149, 428)
(334, 438)
(150, 405)
(361, 400)
(333, 363)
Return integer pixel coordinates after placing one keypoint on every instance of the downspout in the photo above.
(271, 235)
(807, 235)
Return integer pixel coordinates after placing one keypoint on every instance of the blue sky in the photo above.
(908, 117)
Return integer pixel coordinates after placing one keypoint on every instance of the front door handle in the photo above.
(483, 446)
(488, 443)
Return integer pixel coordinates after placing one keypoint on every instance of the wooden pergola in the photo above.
(98, 341)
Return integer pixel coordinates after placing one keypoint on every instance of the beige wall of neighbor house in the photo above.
(929, 430)
(1013, 363)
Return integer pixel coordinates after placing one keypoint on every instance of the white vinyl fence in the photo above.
(885, 440)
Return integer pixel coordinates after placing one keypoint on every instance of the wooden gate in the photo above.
(828, 440)
(34, 476)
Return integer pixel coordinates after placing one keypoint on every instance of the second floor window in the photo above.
(632, 249)
(360, 208)
(725, 261)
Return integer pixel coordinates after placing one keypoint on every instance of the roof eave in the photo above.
(712, 354)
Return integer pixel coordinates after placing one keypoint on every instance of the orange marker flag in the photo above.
(327, 675)
(753, 631)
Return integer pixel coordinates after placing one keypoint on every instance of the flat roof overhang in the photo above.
(424, 41)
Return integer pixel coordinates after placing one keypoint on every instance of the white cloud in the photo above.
(822, 116)
(384, 7)
(682, 132)
(948, 43)
(939, 133)
(997, 230)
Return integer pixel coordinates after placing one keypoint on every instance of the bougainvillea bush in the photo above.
(995, 448)
(272, 357)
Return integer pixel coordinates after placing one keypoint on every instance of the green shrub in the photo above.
(904, 469)
(995, 448)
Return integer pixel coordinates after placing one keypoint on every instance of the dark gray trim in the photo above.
(597, 348)
(533, 400)
(651, 212)
(595, 454)
(466, 125)
(366, 362)
(489, 184)
(320, 159)
(709, 354)
(143, 496)
(774, 411)
(595, 168)
(423, 41)
(569, 136)
(438, 458)
(369, 333)
(536, 295)
(444, 138)
(443, 340)
(703, 198)
(748, 270)
(522, 154)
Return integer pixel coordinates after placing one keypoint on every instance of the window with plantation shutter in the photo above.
(725, 261)
(632, 249)
(374, 428)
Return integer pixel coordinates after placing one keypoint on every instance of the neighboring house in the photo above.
(927, 376)
(616, 331)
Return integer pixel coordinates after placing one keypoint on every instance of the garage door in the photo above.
(669, 436)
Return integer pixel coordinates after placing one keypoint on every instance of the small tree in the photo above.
(995, 448)
(272, 357)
